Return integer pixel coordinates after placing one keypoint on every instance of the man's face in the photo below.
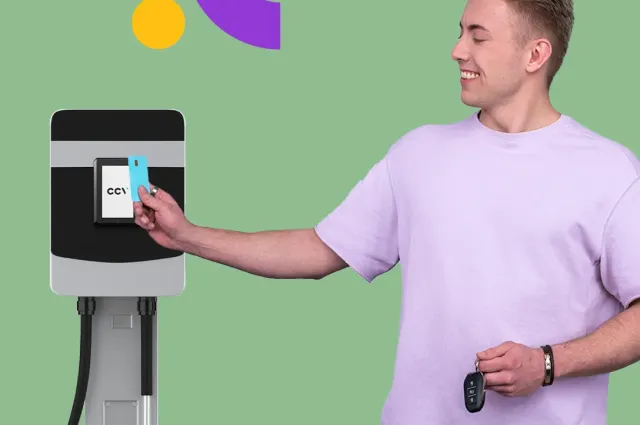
(492, 61)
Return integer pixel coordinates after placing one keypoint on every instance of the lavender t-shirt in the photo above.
(530, 237)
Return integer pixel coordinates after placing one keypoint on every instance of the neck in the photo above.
(524, 112)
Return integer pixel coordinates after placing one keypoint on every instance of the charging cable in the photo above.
(86, 307)
(146, 309)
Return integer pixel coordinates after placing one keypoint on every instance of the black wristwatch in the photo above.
(548, 365)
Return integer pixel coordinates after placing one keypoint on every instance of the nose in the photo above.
(459, 52)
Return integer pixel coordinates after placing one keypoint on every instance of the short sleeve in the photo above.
(620, 258)
(363, 229)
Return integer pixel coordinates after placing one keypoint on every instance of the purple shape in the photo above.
(254, 22)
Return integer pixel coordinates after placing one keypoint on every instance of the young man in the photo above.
(517, 228)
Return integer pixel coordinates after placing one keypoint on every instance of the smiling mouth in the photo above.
(468, 75)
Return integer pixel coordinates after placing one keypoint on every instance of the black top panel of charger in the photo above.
(115, 125)
(74, 233)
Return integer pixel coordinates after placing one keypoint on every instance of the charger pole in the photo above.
(114, 395)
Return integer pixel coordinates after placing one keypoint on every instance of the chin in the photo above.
(469, 100)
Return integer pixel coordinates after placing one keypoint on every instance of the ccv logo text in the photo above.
(116, 191)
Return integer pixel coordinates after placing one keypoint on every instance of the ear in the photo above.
(539, 53)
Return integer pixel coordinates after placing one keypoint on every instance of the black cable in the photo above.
(147, 309)
(146, 382)
(86, 308)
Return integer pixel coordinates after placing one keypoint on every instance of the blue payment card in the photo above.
(138, 175)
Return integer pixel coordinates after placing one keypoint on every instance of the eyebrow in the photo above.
(474, 27)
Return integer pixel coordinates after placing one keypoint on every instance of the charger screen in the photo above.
(116, 199)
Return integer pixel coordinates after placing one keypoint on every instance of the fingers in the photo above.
(145, 222)
(162, 195)
(146, 209)
(148, 200)
(494, 365)
(152, 220)
(495, 351)
(498, 379)
(139, 209)
(506, 390)
(144, 217)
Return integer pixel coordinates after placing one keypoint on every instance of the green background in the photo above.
(276, 139)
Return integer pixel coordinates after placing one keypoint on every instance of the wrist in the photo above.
(563, 366)
(186, 236)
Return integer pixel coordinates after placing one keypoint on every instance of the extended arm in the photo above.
(279, 254)
(613, 346)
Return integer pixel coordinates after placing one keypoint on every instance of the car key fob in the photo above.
(474, 391)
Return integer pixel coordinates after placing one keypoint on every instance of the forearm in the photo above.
(282, 254)
(613, 346)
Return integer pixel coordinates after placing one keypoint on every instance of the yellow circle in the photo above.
(158, 24)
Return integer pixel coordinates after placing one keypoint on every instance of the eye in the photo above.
(478, 40)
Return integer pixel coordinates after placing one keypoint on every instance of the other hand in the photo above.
(512, 369)
(162, 217)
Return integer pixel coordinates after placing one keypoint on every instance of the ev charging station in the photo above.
(113, 267)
